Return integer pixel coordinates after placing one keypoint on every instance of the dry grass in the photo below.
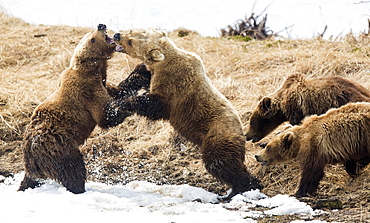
(32, 57)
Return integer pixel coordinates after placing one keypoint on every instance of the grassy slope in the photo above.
(32, 57)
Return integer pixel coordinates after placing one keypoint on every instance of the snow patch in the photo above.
(138, 201)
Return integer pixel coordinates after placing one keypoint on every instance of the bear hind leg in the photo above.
(353, 168)
(29, 182)
(226, 164)
(71, 173)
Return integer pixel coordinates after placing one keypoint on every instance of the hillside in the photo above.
(33, 56)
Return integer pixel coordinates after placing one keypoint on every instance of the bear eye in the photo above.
(130, 42)
(92, 40)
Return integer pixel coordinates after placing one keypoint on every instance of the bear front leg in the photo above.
(137, 80)
(151, 106)
(310, 179)
(114, 115)
(113, 90)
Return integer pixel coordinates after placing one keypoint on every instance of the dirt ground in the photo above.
(32, 57)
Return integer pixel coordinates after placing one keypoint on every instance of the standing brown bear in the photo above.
(299, 97)
(181, 93)
(64, 120)
(339, 136)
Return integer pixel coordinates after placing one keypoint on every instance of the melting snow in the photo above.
(138, 201)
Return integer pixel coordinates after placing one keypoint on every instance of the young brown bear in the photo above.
(64, 120)
(299, 97)
(181, 93)
(339, 136)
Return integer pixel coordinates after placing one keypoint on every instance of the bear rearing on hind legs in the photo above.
(181, 93)
(64, 120)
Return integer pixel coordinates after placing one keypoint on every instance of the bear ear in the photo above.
(265, 104)
(156, 55)
(288, 139)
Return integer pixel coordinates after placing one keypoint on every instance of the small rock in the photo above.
(330, 203)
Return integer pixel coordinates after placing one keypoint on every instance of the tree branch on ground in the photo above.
(250, 26)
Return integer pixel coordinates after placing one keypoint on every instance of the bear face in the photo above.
(279, 150)
(143, 44)
(264, 119)
(94, 45)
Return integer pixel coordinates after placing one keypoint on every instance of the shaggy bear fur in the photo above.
(299, 97)
(181, 93)
(139, 79)
(63, 121)
(339, 136)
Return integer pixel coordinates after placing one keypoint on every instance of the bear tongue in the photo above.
(119, 49)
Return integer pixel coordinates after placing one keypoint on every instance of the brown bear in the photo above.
(64, 120)
(339, 136)
(181, 93)
(299, 97)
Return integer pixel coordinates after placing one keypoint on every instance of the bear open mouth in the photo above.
(119, 49)
(264, 162)
(109, 40)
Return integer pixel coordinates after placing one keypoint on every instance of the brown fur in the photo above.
(299, 97)
(63, 121)
(181, 93)
(139, 79)
(339, 136)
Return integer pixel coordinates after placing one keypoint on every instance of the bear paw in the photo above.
(115, 114)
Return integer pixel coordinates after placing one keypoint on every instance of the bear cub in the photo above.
(339, 136)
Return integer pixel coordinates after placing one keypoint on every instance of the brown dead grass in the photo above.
(32, 57)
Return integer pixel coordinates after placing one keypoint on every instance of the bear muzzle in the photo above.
(119, 48)
(117, 37)
(261, 160)
(253, 137)
(102, 27)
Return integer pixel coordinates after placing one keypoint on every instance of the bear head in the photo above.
(264, 119)
(94, 46)
(283, 147)
(147, 45)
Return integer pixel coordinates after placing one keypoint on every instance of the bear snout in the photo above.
(261, 160)
(258, 158)
(117, 37)
(250, 136)
(262, 144)
(254, 139)
(102, 27)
